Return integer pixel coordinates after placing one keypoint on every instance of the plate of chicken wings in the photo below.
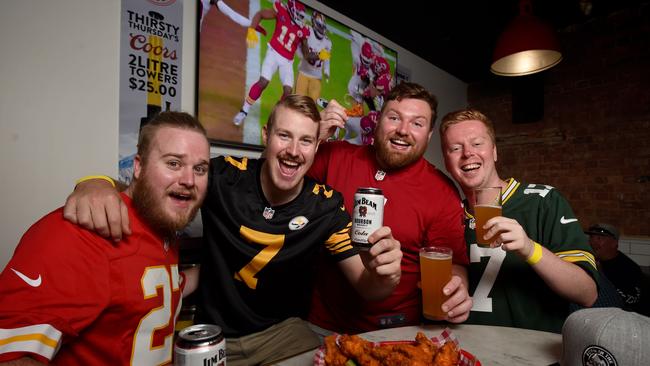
(353, 350)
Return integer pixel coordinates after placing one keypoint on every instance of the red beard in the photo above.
(150, 209)
(391, 160)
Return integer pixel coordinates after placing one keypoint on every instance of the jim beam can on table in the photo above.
(368, 215)
(200, 345)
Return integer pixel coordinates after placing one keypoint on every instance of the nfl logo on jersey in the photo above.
(268, 213)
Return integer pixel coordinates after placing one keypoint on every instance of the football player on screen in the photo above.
(364, 52)
(312, 70)
(380, 85)
(290, 32)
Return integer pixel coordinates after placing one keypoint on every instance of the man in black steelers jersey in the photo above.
(264, 225)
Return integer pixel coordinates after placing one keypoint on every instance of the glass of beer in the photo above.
(435, 273)
(487, 204)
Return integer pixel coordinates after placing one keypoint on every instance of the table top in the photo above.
(491, 345)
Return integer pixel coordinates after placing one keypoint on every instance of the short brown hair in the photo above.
(298, 103)
(180, 120)
(406, 90)
(468, 114)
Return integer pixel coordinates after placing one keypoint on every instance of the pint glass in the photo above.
(487, 205)
(435, 273)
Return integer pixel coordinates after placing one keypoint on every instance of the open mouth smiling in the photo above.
(181, 196)
(470, 167)
(288, 167)
(399, 143)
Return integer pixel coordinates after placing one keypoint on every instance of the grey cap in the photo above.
(607, 337)
(603, 229)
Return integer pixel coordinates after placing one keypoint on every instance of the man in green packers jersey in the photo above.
(539, 260)
(264, 226)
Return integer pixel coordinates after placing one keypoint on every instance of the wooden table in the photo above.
(491, 345)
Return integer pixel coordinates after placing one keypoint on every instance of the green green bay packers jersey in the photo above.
(505, 289)
(259, 260)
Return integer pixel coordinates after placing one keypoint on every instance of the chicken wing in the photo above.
(333, 356)
(359, 349)
(447, 355)
(422, 352)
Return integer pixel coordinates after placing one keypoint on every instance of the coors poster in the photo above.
(150, 69)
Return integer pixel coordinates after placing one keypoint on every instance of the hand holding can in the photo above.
(367, 217)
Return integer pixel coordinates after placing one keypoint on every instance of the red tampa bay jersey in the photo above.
(70, 297)
(287, 35)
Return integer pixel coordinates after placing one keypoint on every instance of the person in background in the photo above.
(71, 297)
(422, 207)
(312, 71)
(289, 34)
(364, 52)
(539, 260)
(264, 226)
(622, 271)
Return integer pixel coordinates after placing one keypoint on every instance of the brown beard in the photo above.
(392, 160)
(151, 211)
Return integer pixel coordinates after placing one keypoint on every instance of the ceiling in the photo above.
(459, 36)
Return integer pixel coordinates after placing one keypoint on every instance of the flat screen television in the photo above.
(227, 67)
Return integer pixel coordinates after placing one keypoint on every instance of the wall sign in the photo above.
(150, 69)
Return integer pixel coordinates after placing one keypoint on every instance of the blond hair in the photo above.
(468, 114)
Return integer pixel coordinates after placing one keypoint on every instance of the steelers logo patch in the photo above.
(298, 223)
(598, 356)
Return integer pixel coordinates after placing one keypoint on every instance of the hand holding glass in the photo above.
(435, 273)
(487, 204)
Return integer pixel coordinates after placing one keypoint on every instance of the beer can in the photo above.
(200, 345)
(368, 215)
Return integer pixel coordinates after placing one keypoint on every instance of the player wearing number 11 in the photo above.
(544, 261)
(289, 34)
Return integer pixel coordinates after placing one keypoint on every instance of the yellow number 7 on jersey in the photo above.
(273, 243)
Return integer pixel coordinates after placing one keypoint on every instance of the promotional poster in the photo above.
(150, 69)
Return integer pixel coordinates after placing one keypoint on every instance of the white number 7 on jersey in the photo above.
(481, 300)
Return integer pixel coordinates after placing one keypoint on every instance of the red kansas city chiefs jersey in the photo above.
(287, 36)
(73, 298)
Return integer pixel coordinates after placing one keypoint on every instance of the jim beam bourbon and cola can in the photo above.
(200, 345)
(368, 215)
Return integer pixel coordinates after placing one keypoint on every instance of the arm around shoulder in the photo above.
(96, 205)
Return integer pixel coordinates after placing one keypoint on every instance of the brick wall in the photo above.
(593, 142)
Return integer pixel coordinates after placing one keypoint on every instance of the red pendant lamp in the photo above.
(527, 45)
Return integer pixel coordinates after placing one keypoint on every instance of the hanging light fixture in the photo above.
(527, 45)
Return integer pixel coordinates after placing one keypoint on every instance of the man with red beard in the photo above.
(265, 225)
(71, 297)
(422, 208)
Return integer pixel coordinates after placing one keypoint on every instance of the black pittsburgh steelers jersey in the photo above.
(505, 289)
(258, 261)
